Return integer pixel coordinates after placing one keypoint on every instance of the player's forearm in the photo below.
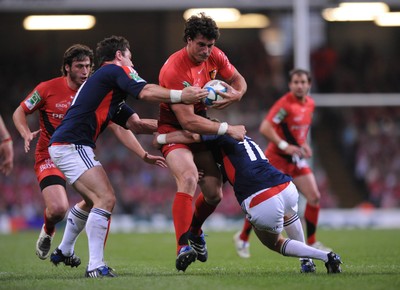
(4, 134)
(20, 122)
(128, 139)
(239, 84)
(143, 126)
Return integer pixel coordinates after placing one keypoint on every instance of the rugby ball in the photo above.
(213, 87)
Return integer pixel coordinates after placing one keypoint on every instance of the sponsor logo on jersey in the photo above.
(186, 84)
(57, 116)
(33, 100)
(298, 118)
(279, 116)
(134, 75)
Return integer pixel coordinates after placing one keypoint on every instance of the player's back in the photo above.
(246, 166)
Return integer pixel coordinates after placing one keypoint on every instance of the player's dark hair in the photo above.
(200, 24)
(299, 71)
(76, 52)
(106, 49)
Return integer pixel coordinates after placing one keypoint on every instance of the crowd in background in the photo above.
(370, 136)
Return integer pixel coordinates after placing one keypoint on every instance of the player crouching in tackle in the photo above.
(266, 195)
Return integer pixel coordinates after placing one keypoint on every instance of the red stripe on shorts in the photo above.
(270, 192)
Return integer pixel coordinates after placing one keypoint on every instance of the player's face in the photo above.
(126, 59)
(299, 85)
(79, 71)
(199, 48)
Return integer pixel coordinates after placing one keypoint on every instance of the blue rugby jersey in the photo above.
(96, 103)
(244, 165)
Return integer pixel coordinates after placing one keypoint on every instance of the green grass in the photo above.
(147, 261)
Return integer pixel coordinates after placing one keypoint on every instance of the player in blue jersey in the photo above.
(266, 195)
(101, 99)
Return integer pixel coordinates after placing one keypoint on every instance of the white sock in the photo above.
(294, 229)
(294, 248)
(76, 222)
(96, 229)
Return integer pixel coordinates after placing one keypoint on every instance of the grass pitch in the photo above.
(147, 261)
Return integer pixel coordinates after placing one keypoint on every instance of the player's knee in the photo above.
(109, 202)
(188, 181)
(212, 197)
(56, 212)
(314, 200)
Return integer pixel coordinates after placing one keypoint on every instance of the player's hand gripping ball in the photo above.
(213, 87)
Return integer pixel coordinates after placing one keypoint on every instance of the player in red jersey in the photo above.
(6, 149)
(286, 127)
(194, 65)
(52, 99)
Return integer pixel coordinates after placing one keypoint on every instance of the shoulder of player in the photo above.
(52, 82)
(52, 85)
(177, 59)
(310, 100)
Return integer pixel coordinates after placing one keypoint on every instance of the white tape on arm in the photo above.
(176, 96)
(162, 139)
(283, 145)
(223, 128)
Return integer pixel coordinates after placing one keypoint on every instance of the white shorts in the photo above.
(266, 208)
(73, 160)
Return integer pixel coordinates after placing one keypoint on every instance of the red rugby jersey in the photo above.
(179, 71)
(291, 119)
(52, 99)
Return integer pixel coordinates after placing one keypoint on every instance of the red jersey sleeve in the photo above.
(35, 100)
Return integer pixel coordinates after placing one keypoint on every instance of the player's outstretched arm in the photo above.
(155, 93)
(141, 126)
(128, 139)
(180, 136)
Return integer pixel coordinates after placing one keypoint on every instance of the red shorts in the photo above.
(284, 164)
(45, 167)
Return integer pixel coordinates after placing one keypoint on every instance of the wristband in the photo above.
(6, 140)
(223, 128)
(162, 139)
(283, 145)
(176, 96)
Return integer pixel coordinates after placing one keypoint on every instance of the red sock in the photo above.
(246, 230)
(182, 215)
(108, 230)
(201, 212)
(49, 227)
(311, 218)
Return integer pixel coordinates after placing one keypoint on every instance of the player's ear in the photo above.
(118, 55)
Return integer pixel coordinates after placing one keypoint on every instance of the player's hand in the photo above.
(306, 151)
(155, 160)
(229, 97)
(191, 95)
(237, 132)
(294, 151)
(29, 138)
